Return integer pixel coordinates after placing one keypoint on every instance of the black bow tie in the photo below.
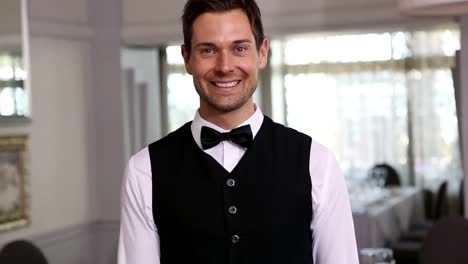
(242, 136)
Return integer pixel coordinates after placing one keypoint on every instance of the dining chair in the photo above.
(405, 252)
(441, 205)
(446, 242)
(21, 252)
(461, 200)
(418, 231)
(407, 249)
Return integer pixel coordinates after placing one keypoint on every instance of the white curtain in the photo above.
(436, 147)
(373, 98)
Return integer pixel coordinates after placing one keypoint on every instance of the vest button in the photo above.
(232, 209)
(235, 239)
(231, 182)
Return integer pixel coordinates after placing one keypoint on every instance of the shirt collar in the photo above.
(255, 121)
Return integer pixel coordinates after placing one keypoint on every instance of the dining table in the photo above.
(385, 215)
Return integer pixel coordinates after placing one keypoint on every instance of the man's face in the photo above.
(224, 61)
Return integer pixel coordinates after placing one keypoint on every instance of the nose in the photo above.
(224, 63)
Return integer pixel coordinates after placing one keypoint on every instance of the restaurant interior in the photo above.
(380, 83)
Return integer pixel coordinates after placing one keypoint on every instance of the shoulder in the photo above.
(322, 159)
(139, 163)
(324, 168)
(321, 154)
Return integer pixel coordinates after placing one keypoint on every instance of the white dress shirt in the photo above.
(332, 224)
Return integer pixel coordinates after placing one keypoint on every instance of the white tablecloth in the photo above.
(386, 219)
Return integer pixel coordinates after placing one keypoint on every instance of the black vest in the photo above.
(260, 213)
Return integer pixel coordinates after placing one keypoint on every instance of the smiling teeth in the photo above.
(226, 85)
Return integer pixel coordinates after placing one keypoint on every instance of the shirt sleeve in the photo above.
(138, 239)
(332, 226)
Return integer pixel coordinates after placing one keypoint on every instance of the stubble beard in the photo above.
(226, 108)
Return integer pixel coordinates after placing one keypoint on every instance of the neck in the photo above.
(228, 120)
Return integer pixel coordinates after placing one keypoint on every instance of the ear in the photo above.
(263, 54)
(186, 55)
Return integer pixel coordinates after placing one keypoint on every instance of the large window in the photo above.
(12, 95)
(373, 98)
(182, 99)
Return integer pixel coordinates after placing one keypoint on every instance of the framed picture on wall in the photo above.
(14, 193)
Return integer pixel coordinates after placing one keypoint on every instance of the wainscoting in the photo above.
(94, 243)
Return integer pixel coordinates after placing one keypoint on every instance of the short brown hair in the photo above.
(194, 8)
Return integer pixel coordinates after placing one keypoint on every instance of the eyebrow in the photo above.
(242, 41)
(204, 44)
(209, 44)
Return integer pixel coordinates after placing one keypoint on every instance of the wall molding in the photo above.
(62, 235)
(94, 242)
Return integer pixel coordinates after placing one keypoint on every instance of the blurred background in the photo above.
(85, 84)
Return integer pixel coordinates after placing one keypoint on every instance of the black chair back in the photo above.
(441, 205)
(21, 252)
(446, 242)
(461, 200)
(428, 204)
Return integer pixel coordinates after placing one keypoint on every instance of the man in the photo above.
(232, 186)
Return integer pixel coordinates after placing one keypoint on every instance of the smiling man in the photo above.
(224, 60)
(232, 186)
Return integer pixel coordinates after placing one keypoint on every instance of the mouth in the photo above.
(226, 85)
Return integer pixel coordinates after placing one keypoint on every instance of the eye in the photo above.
(241, 49)
(207, 51)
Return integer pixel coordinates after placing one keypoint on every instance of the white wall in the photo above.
(107, 99)
(66, 12)
(76, 132)
(59, 132)
(59, 183)
(10, 19)
(10, 25)
(464, 103)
